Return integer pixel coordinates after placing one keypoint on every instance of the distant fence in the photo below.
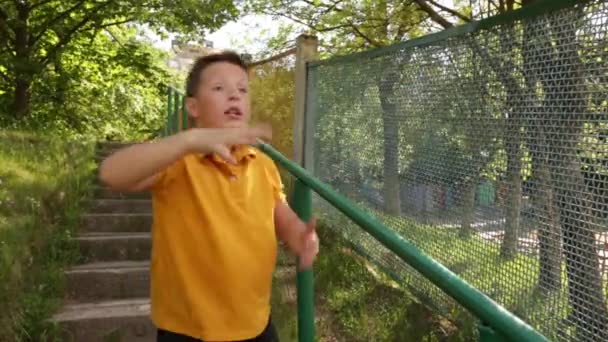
(271, 83)
(487, 147)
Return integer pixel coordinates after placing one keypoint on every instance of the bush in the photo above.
(44, 181)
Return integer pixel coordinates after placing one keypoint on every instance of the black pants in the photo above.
(268, 335)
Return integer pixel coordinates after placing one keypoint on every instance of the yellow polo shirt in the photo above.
(214, 245)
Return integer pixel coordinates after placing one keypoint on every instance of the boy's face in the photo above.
(222, 98)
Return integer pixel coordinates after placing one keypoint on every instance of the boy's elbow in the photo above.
(108, 177)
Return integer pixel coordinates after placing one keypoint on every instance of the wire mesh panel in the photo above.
(272, 90)
(487, 150)
(271, 87)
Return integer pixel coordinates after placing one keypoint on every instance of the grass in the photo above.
(42, 183)
(374, 294)
(284, 307)
(355, 301)
(358, 302)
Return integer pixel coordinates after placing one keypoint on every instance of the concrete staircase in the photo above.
(107, 297)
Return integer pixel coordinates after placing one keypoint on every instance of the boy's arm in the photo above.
(300, 237)
(135, 167)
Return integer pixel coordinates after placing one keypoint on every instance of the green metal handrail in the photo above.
(177, 116)
(302, 203)
(498, 324)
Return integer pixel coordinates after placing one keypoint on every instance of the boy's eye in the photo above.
(217, 87)
(243, 90)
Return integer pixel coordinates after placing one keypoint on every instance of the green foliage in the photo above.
(77, 65)
(357, 302)
(43, 182)
(350, 26)
(346, 26)
(272, 90)
(110, 86)
(482, 267)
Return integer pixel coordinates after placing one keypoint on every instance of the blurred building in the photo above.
(187, 53)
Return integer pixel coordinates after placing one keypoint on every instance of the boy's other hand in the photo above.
(310, 245)
(220, 140)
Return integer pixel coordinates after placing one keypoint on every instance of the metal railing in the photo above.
(497, 324)
(177, 116)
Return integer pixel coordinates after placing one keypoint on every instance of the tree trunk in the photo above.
(548, 228)
(584, 280)
(516, 106)
(563, 89)
(545, 216)
(391, 189)
(22, 63)
(508, 249)
(21, 101)
(468, 214)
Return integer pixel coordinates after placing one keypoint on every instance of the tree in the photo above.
(535, 39)
(575, 201)
(561, 76)
(111, 85)
(524, 92)
(354, 26)
(34, 33)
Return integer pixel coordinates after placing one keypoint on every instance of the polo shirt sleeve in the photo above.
(168, 175)
(277, 184)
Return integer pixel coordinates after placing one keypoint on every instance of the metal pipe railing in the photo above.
(497, 323)
(177, 116)
(301, 202)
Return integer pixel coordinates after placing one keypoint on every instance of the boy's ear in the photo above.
(192, 107)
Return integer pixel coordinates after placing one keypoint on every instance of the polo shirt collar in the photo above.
(240, 153)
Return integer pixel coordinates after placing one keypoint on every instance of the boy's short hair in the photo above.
(194, 76)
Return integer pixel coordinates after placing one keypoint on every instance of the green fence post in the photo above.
(302, 205)
(184, 114)
(176, 105)
(169, 107)
(487, 334)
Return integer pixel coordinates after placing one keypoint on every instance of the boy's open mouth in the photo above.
(233, 113)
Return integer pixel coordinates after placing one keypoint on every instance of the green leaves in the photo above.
(107, 86)
(345, 26)
(33, 35)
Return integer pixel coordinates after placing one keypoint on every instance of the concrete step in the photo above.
(107, 223)
(119, 206)
(115, 321)
(108, 280)
(96, 247)
(103, 192)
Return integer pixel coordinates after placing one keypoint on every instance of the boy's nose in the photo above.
(234, 94)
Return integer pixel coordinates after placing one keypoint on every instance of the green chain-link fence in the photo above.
(486, 146)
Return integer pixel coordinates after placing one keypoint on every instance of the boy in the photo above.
(218, 209)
